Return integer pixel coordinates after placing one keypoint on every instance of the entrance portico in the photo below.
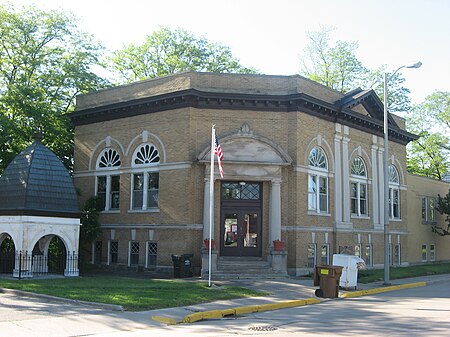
(249, 160)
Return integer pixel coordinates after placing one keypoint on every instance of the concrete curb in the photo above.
(218, 314)
(106, 306)
(382, 289)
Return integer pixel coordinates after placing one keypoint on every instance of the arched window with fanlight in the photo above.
(358, 188)
(394, 193)
(145, 178)
(107, 185)
(317, 181)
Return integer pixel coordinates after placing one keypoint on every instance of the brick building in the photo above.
(303, 164)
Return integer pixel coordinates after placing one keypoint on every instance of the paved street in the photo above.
(422, 311)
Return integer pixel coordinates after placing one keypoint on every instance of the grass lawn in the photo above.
(367, 276)
(133, 294)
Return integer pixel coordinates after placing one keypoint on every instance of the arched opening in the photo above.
(7, 254)
(49, 256)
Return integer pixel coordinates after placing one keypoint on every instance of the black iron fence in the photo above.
(26, 264)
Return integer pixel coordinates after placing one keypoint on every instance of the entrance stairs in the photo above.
(245, 268)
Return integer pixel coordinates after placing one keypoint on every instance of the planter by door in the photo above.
(278, 245)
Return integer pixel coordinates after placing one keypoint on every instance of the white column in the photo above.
(375, 186)
(206, 210)
(275, 211)
(345, 181)
(337, 179)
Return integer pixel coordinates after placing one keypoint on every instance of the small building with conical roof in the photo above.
(38, 201)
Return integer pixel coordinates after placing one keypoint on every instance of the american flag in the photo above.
(219, 153)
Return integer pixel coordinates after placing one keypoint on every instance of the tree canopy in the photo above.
(168, 52)
(430, 154)
(44, 62)
(338, 67)
(443, 207)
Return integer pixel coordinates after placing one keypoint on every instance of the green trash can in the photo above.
(182, 265)
(327, 277)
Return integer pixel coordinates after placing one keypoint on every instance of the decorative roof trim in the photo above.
(213, 100)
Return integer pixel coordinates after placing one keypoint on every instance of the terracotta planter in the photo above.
(278, 245)
(213, 244)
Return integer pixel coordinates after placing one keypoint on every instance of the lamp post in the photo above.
(386, 170)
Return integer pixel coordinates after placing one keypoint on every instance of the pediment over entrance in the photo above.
(246, 147)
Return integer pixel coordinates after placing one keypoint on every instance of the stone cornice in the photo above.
(194, 98)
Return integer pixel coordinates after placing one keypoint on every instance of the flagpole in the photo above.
(211, 201)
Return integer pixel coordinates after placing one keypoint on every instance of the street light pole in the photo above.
(386, 170)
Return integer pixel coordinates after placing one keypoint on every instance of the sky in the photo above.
(271, 35)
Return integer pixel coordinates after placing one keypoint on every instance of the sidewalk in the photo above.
(281, 294)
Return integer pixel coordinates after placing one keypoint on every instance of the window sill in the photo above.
(395, 220)
(318, 214)
(148, 210)
(362, 217)
(111, 211)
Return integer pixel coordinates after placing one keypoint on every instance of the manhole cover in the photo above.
(263, 328)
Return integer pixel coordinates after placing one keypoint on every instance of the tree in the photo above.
(44, 62)
(430, 154)
(338, 67)
(443, 207)
(168, 52)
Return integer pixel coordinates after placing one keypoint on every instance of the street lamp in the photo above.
(386, 170)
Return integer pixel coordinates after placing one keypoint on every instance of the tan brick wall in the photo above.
(185, 133)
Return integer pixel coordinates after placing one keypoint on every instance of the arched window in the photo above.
(108, 179)
(145, 178)
(394, 193)
(358, 187)
(318, 181)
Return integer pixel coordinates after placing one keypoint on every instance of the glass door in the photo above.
(241, 232)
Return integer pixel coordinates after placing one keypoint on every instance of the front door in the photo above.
(241, 219)
(241, 232)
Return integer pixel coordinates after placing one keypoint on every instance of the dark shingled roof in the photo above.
(37, 183)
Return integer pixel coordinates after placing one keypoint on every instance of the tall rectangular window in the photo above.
(108, 191)
(114, 251)
(424, 253)
(394, 201)
(134, 253)
(312, 255)
(358, 250)
(115, 192)
(358, 199)
(368, 254)
(152, 253)
(397, 255)
(138, 190)
(153, 189)
(432, 252)
(325, 254)
(101, 190)
(318, 193)
(428, 210)
(312, 193)
(145, 190)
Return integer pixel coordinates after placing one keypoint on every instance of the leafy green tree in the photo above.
(334, 66)
(168, 52)
(430, 154)
(443, 207)
(44, 62)
(338, 67)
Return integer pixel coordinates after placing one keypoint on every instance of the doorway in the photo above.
(241, 222)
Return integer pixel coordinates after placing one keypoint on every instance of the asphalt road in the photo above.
(423, 311)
